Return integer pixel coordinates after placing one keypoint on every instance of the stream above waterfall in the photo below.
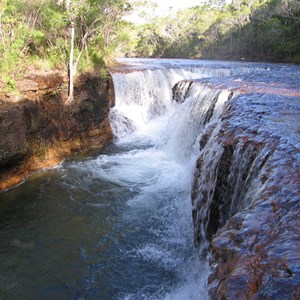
(119, 225)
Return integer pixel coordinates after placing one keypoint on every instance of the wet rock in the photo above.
(246, 204)
(180, 90)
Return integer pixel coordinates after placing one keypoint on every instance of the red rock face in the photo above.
(247, 205)
(38, 130)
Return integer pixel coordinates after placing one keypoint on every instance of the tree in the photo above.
(18, 30)
(254, 29)
(60, 32)
(72, 10)
(87, 19)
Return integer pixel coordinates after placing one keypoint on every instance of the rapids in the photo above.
(119, 225)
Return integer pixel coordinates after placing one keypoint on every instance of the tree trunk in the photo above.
(71, 64)
(87, 56)
(2, 38)
(67, 4)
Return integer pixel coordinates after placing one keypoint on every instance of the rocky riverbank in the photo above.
(38, 130)
(246, 196)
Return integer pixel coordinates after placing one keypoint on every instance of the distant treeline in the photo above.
(253, 30)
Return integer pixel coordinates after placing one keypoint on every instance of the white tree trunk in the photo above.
(67, 4)
(71, 64)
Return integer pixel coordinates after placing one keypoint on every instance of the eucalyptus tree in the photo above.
(2, 36)
(90, 20)
(60, 31)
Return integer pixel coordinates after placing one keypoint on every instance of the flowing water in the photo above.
(119, 225)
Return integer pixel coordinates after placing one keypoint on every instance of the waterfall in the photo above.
(162, 137)
(146, 94)
(189, 146)
(227, 179)
(201, 107)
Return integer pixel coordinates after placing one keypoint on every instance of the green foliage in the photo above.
(255, 29)
(38, 32)
(10, 84)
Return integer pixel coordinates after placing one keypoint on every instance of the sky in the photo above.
(165, 7)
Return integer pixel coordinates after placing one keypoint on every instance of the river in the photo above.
(118, 225)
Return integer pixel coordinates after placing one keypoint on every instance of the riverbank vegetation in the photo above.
(253, 30)
(80, 35)
(70, 35)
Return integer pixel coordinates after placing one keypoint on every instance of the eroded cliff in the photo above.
(39, 130)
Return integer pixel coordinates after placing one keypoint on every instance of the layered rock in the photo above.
(246, 195)
(39, 130)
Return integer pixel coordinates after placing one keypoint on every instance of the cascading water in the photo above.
(119, 226)
(146, 90)
(167, 136)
